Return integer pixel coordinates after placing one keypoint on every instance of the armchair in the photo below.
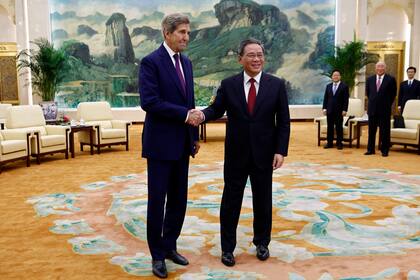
(47, 139)
(3, 113)
(14, 145)
(349, 132)
(107, 131)
(410, 135)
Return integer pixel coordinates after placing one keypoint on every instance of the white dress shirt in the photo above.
(247, 84)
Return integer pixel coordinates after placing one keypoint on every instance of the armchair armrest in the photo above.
(57, 129)
(321, 120)
(120, 124)
(15, 135)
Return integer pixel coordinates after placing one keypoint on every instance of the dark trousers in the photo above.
(384, 124)
(334, 119)
(166, 179)
(230, 209)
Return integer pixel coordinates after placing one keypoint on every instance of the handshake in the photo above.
(195, 117)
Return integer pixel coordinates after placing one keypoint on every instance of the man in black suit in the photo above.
(381, 90)
(409, 89)
(336, 103)
(257, 140)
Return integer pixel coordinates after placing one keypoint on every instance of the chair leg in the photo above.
(126, 146)
(38, 158)
(28, 160)
(66, 154)
(81, 147)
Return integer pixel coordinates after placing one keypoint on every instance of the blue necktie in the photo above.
(178, 71)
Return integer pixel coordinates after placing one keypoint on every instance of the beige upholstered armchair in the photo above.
(350, 133)
(14, 145)
(47, 139)
(107, 131)
(410, 135)
(3, 112)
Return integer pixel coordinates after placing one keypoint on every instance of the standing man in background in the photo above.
(381, 90)
(409, 89)
(257, 140)
(167, 96)
(336, 102)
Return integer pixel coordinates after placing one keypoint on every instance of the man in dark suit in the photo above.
(409, 89)
(381, 90)
(257, 140)
(167, 96)
(336, 103)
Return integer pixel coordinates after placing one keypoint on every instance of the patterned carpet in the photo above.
(364, 223)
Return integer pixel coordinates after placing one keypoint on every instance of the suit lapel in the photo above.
(169, 66)
(240, 92)
(263, 90)
(187, 74)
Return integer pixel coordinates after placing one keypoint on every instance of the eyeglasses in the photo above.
(255, 55)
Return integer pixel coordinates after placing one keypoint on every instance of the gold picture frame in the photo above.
(9, 92)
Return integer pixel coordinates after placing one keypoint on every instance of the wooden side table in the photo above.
(359, 125)
(77, 128)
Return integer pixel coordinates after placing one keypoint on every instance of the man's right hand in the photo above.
(195, 117)
(324, 112)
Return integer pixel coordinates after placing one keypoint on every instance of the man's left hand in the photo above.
(277, 161)
(344, 113)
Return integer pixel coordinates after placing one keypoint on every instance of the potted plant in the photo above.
(349, 59)
(46, 65)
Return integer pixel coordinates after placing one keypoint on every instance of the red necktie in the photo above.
(252, 95)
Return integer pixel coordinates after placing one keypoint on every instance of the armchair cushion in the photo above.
(406, 133)
(24, 116)
(94, 111)
(112, 133)
(12, 146)
(52, 140)
(120, 124)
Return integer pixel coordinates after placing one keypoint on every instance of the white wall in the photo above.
(39, 26)
(388, 23)
(8, 28)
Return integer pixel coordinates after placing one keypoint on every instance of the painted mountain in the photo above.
(107, 40)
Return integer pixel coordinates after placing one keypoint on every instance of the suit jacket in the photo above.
(165, 133)
(338, 102)
(259, 135)
(380, 103)
(408, 92)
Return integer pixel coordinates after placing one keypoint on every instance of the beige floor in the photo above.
(29, 251)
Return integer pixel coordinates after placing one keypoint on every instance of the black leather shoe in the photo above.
(339, 147)
(369, 153)
(328, 146)
(176, 258)
(262, 252)
(159, 269)
(385, 154)
(228, 259)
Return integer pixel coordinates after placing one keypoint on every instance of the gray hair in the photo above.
(381, 63)
(171, 22)
(247, 42)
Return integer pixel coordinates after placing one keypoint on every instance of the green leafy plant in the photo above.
(47, 66)
(349, 59)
